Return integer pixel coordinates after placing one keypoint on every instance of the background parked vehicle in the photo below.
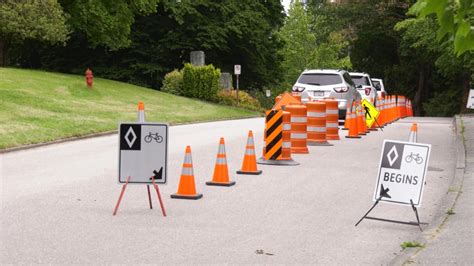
(378, 84)
(317, 84)
(364, 86)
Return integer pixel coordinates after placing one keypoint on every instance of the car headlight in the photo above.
(298, 89)
(367, 91)
(341, 89)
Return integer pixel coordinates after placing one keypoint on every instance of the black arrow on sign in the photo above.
(157, 175)
(384, 192)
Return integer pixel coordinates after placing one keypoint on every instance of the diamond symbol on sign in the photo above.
(130, 137)
(392, 155)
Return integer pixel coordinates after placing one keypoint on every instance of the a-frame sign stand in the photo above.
(417, 223)
(157, 189)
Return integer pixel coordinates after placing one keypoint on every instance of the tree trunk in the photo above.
(466, 78)
(419, 93)
(2, 53)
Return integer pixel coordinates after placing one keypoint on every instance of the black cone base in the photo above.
(220, 184)
(353, 137)
(258, 172)
(277, 162)
(190, 197)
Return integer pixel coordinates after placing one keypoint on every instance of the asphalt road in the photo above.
(57, 202)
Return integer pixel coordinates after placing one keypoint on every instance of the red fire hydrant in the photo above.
(89, 78)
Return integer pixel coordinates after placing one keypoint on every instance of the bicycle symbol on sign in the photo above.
(153, 136)
(414, 156)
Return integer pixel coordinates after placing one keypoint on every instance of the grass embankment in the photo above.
(38, 106)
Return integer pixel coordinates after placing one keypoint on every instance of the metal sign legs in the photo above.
(158, 194)
(417, 223)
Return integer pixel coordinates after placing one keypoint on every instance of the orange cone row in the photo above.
(187, 187)
(310, 124)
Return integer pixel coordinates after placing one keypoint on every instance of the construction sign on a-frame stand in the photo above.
(401, 177)
(371, 113)
(143, 152)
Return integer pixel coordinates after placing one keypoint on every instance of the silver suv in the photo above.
(364, 86)
(317, 84)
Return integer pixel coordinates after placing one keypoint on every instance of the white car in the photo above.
(364, 86)
(378, 84)
(316, 84)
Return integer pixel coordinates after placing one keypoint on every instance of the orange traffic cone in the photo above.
(187, 187)
(352, 123)
(141, 112)
(413, 133)
(249, 166)
(346, 123)
(359, 119)
(221, 173)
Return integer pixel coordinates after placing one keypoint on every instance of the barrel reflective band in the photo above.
(273, 134)
(316, 129)
(332, 111)
(298, 135)
(300, 119)
(286, 127)
(316, 114)
(332, 125)
(287, 145)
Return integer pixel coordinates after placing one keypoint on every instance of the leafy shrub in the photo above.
(201, 82)
(267, 102)
(445, 103)
(229, 97)
(173, 82)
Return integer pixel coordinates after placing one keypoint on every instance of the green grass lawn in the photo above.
(38, 106)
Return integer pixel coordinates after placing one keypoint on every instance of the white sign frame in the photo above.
(237, 69)
(128, 161)
(409, 166)
(470, 99)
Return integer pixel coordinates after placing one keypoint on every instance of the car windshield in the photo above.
(320, 79)
(376, 84)
(360, 80)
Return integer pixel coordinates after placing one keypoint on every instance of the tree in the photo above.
(106, 22)
(229, 32)
(455, 18)
(442, 76)
(23, 20)
(309, 45)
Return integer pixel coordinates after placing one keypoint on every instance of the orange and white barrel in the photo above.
(277, 98)
(298, 128)
(296, 95)
(316, 113)
(332, 119)
(379, 107)
(286, 146)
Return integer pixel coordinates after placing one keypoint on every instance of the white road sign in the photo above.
(401, 177)
(143, 152)
(470, 100)
(236, 69)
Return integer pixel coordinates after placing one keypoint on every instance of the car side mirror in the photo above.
(359, 86)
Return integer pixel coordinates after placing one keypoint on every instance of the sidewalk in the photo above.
(452, 241)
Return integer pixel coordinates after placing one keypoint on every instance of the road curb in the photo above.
(100, 134)
(37, 145)
(448, 202)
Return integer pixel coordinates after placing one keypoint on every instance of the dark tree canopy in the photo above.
(228, 31)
